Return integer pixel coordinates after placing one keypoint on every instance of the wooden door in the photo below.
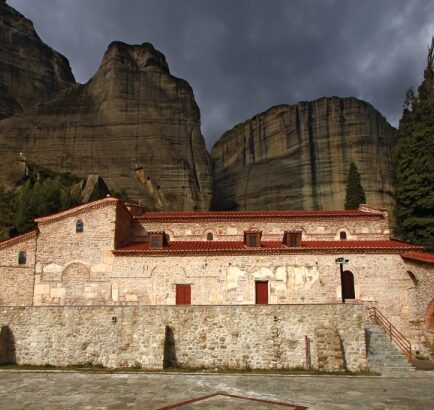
(261, 293)
(183, 294)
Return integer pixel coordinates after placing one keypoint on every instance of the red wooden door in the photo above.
(261, 293)
(183, 294)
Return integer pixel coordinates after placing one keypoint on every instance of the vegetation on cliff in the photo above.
(414, 163)
(42, 192)
(354, 192)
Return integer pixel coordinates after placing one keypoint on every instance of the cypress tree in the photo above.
(414, 163)
(354, 192)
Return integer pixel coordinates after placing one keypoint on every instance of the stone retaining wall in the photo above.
(267, 337)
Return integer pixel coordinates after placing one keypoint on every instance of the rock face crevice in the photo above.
(298, 156)
(131, 115)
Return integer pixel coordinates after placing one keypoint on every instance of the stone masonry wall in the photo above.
(62, 251)
(421, 296)
(58, 240)
(323, 229)
(16, 286)
(379, 279)
(16, 281)
(265, 337)
(123, 225)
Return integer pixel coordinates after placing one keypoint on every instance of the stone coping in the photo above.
(396, 375)
(270, 305)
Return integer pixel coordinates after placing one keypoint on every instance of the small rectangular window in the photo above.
(292, 238)
(252, 239)
(79, 226)
(22, 258)
(157, 240)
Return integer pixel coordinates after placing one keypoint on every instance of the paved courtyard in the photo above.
(67, 390)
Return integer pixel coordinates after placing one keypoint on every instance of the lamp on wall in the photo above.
(341, 261)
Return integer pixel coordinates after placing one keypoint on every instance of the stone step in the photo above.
(387, 360)
(388, 364)
(382, 354)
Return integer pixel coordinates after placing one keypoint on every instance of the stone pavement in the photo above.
(67, 390)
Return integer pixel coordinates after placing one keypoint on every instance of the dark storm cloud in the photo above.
(243, 56)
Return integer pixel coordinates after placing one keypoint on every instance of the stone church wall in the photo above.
(380, 279)
(421, 306)
(327, 229)
(264, 337)
(16, 280)
(58, 241)
(72, 267)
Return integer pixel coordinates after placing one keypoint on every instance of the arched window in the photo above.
(348, 285)
(343, 235)
(22, 258)
(209, 236)
(79, 226)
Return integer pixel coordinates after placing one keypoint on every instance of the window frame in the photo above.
(292, 239)
(156, 240)
(252, 239)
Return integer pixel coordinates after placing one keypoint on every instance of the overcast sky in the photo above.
(243, 56)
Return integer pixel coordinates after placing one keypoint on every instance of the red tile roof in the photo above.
(419, 257)
(17, 239)
(182, 216)
(188, 247)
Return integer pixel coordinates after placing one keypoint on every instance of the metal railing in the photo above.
(394, 334)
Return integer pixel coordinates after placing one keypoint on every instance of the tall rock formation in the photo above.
(298, 157)
(30, 71)
(133, 123)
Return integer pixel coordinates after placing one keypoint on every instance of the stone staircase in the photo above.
(382, 354)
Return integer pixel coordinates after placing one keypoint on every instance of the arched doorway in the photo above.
(430, 315)
(348, 291)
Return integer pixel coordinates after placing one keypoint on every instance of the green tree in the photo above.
(6, 214)
(354, 192)
(414, 163)
(43, 192)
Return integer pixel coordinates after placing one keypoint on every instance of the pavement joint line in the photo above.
(234, 396)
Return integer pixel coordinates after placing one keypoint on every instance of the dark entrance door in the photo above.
(348, 285)
(261, 292)
(183, 294)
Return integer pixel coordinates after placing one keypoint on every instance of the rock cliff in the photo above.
(30, 71)
(133, 123)
(298, 156)
(138, 127)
